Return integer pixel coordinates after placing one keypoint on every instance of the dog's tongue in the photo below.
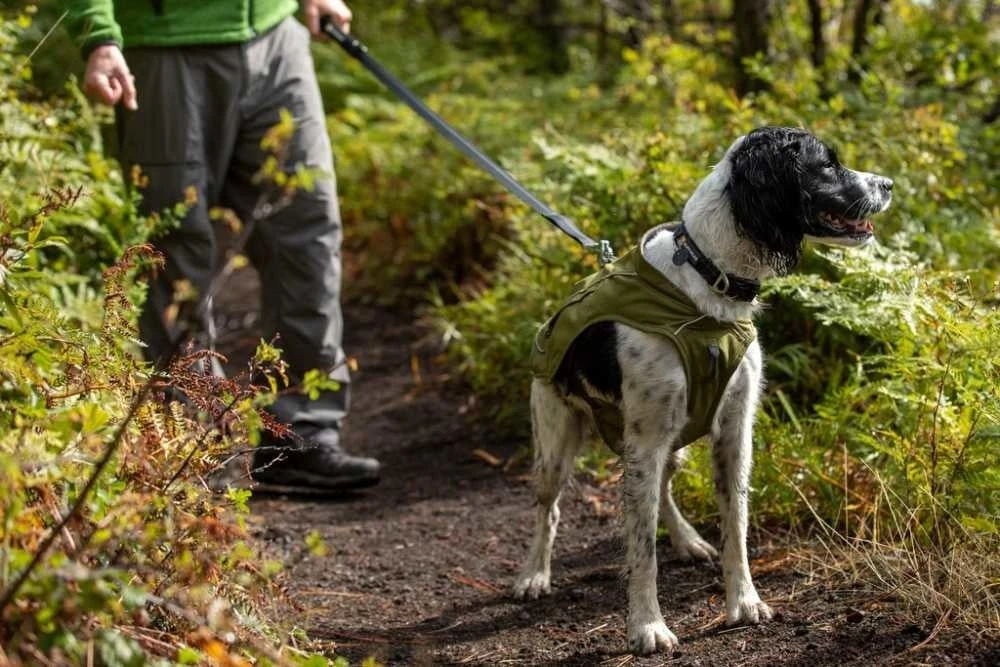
(864, 225)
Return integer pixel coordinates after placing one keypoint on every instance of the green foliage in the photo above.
(919, 405)
(396, 164)
(111, 548)
(883, 382)
(55, 146)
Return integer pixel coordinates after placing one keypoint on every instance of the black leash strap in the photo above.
(359, 52)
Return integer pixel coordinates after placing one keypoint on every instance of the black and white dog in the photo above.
(746, 221)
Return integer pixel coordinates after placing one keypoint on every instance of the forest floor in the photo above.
(418, 568)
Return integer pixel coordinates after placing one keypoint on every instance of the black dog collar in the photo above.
(734, 287)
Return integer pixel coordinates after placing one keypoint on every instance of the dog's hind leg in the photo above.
(558, 431)
(731, 458)
(687, 543)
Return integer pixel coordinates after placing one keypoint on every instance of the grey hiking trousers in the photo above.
(202, 113)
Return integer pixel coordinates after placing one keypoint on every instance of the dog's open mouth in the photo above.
(839, 226)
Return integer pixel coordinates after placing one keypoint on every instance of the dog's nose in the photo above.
(885, 183)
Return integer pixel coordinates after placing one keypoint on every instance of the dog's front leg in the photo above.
(731, 458)
(647, 631)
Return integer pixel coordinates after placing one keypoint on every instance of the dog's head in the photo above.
(785, 186)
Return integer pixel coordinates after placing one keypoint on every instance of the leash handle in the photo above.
(348, 43)
(359, 52)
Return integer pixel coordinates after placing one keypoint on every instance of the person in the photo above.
(196, 85)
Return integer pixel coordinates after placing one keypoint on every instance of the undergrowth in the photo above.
(112, 548)
(878, 434)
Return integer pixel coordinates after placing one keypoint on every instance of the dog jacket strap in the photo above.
(632, 292)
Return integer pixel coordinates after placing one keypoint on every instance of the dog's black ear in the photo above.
(766, 195)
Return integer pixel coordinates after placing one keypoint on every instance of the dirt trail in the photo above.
(418, 567)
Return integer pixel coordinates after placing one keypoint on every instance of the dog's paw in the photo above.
(748, 611)
(647, 638)
(531, 586)
(693, 547)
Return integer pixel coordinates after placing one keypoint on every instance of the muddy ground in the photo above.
(418, 568)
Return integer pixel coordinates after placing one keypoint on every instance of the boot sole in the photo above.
(307, 490)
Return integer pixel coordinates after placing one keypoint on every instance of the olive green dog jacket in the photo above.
(633, 292)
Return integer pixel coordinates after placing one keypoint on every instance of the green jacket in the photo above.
(129, 23)
(632, 292)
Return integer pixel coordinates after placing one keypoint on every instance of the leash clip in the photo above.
(605, 254)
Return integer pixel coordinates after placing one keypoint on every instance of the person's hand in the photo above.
(313, 10)
(108, 79)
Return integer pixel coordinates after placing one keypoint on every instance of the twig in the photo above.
(593, 630)
(45, 37)
(933, 633)
(198, 445)
(445, 628)
(75, 392)
(476, 583)
(371, 639)
(476, 655)
(319, 592)
(140, 635)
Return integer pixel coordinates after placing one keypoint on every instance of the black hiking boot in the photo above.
(313, 463)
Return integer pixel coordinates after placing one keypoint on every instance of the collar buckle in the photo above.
(721, 284)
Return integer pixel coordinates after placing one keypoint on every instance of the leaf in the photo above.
(11, 306)
(189, 656)
(315, 382)
(240, 499)
(316, 544)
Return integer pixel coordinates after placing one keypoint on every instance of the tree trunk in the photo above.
(751, 22)
(818, 53)
(552, 31)
(860, 38)
(602, 34)
(668, 9)
(994, 113)
(818, 41)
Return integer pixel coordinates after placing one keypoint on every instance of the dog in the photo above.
(747, 221)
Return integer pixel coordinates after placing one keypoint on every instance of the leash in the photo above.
(359, 52)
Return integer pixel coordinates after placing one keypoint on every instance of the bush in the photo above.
(54, 146)
(111, 546)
